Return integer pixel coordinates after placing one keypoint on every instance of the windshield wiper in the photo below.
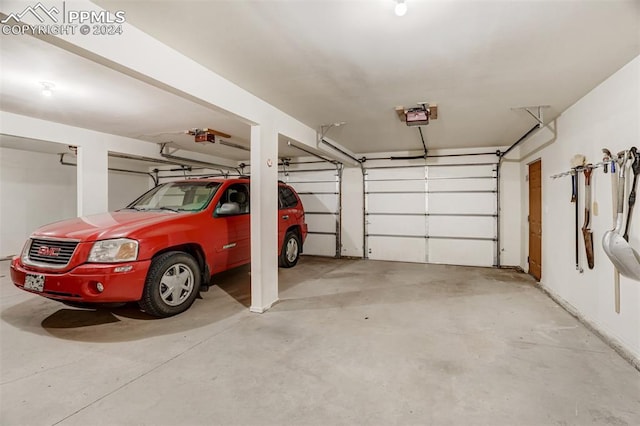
(168, 208)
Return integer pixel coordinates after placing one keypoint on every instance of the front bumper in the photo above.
(79, 284)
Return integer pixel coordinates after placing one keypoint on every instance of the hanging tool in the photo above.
(595, 208)
(577, 161)
(586, 228)
(608, 157)
(635, 167)
(574, 200)
(621, 254)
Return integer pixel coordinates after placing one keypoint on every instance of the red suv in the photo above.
(159, 251)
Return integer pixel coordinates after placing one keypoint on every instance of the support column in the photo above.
(264, 218)
(93, 178)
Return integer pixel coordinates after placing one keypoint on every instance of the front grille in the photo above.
(52, 252)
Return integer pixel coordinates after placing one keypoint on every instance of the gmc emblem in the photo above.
(49, 251)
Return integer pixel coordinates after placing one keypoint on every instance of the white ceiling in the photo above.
(92, 96)
(353, 61)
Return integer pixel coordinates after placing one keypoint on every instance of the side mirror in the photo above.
(228, 209)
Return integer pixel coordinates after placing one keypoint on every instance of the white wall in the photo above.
(352, 212)
(607, 117)
(510, 214)
(35, 190)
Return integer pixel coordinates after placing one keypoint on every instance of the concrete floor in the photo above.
(351, 342)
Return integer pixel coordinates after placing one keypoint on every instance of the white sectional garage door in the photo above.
(441, 213)
(320, 194)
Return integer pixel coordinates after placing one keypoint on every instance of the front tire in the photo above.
(172, 284)
(290, 252)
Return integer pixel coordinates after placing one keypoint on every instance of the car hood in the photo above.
(103, 226)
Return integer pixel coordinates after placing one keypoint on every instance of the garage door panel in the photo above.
(462, 226)
(320, 245)
(462, 185)
(468, 170)
(320, 202)
(321, 222)
(461, 252)
(396, 185)
(297, 176)
(396, 203)
(454, 222)
(318, 190)
(396, 225)
(395, 173)
(315, 187)
(462, 203)
(385, 248)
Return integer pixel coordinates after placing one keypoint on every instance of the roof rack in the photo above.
(200, 176)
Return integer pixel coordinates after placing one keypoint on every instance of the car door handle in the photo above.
(285, 217)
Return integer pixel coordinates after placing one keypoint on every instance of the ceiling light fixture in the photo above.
(401, 7)
(47, 88)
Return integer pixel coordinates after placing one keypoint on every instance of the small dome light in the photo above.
(47, 88)
(401, 8)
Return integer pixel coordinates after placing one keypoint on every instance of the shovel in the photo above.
(622, 255)
(635, 167)
(586, 228)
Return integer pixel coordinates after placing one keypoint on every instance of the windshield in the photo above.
(177, 196)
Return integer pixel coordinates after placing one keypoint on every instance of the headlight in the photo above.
(118, 250)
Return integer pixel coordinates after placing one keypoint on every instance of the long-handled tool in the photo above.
(574, 200)
(608, 157)
(621, 254)
(635, 168)
(586, 228)
(577, 161)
